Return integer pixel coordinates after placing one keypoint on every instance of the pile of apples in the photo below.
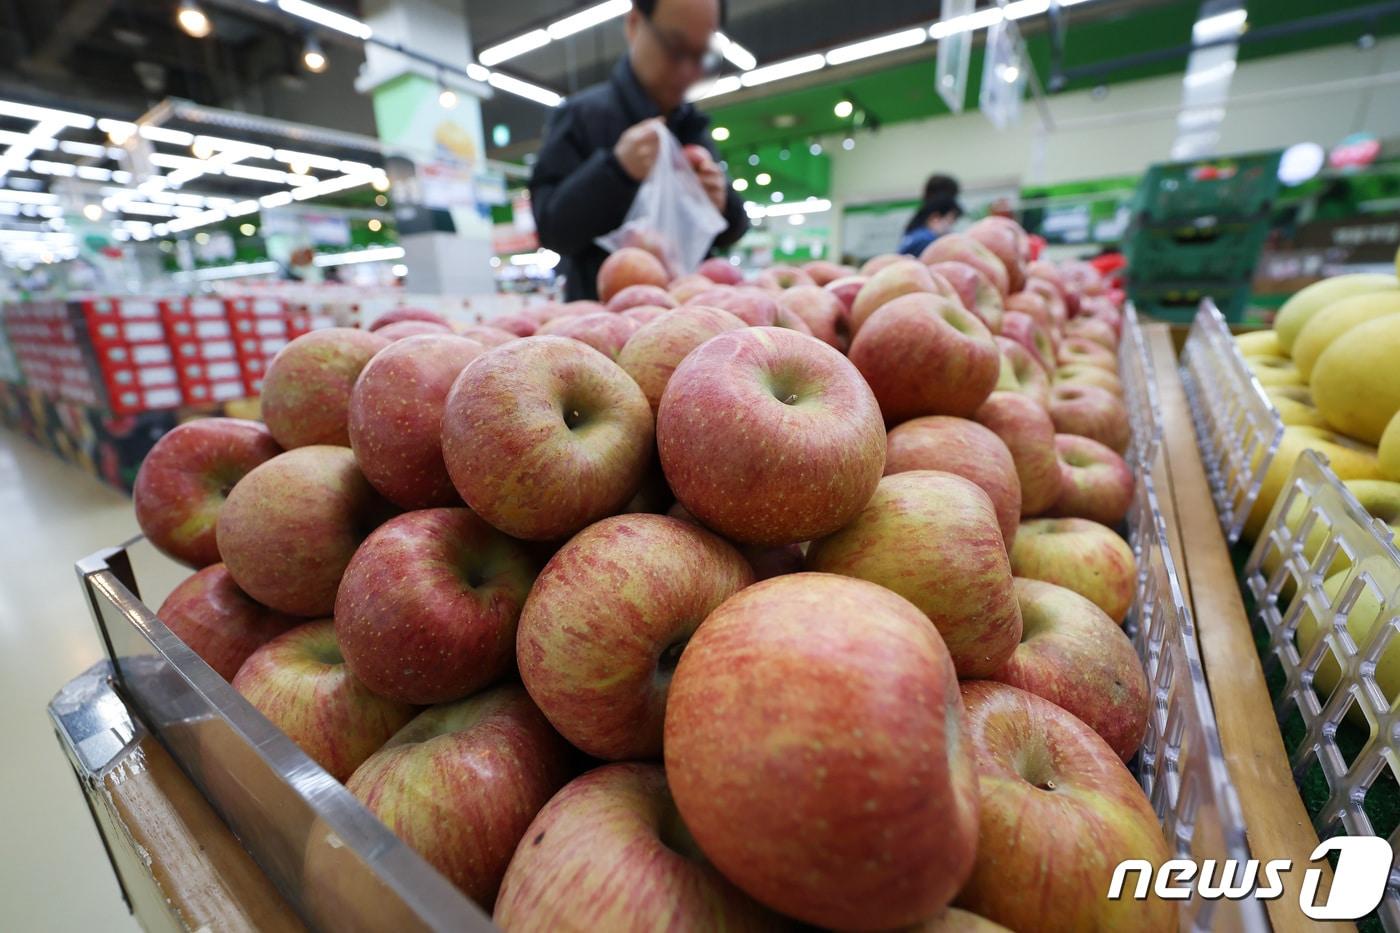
(1329, 366)
(716, 605)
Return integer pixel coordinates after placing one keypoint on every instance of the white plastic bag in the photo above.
(671, 214)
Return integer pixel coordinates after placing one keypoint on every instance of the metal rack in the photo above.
(1236, 426)
(1314, 522)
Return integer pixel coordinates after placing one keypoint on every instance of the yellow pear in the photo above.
(1260, 343)
(1336, 319)
(1356, 381)
(1308, 301)
(1365, 614)
(1380, 498)
(1295, 405)
(1274, 370)
(1388, 451)
(1349, 460)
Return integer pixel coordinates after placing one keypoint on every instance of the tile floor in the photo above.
(54, 876)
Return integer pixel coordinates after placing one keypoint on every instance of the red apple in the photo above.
(933, 538)
(1059, 812)
(401, 329)
(686, 287)
(396, 418)
(306, 392)
(609, 852)
(823, 272)
(875, 263)
(486, 335)
(959, 247)
(1027, 376)
(906, 277)
(1076, 657)
(1086, 410)
(427, 609)
(721, 270)
(813, 746)
(1080, 555)
(583, 306)
(634, 295)
(606, 623)
(544, 436)
(1099, 331)
(221, 623)
(956, 445)
(604, 331)
(185, 479)
(290, 526)
(1037, 308)
(1095, 483)
(769, 436)
(461, 783)
(1054, 298)
(820, 310)
(400, 315)
(767, 562)
(1022, 328)
(846, 289)
(519, 323)
(630, 265)
(975, 290)
(653, 352)
(1084, 374)
(1007, 241)
(925, 355)
(1101, 309)
(780, 277)
(644, 314)
(754, 306)
(301, 684)
(1024, 426)
(1090, 352)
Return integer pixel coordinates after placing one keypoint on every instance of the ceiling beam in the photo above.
(76, 24)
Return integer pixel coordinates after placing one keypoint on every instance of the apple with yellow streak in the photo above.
(1324, 327)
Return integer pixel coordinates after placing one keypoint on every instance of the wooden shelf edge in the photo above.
(1276, 822)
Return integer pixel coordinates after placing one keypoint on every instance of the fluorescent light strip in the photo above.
(162, 134)
(1214, 73)
(1219, 26)
(524, 89)
(237, 270)
(329, 186)
(11, 138)
(86, 150)
(587, 19)
(981, 19)
(241, 149)
(809, 206)
(324, 17)
(736, 54)
(878, 46)
(376, 254)
(94, 173)
(714, 88)
(786, 69)
(1020, 9)
(504, 51)
(253, 173)
(276, 199)
(43, 167)
(10, 108)
(241, 208)
(291, 157)
(202, 219)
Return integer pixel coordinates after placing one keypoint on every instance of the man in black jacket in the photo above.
(601, 143)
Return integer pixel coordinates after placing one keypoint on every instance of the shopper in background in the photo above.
(601, 143)
(936, 215)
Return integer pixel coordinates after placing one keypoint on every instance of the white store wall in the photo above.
(1275, 102)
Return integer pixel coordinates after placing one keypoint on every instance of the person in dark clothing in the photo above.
(936, 215)
(600, 144)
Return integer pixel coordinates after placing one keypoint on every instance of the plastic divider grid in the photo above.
(1181, 765)
(1315, 532)
(1236, 426)
(1139, 393)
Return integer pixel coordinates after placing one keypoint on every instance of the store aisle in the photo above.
(54, 875)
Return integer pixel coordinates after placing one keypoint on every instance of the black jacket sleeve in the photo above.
(577, 194)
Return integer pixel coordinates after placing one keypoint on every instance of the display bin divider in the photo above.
(1139, 393)
(1317, 531)
(339, 867)
(1237, 427)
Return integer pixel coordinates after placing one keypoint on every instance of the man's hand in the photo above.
(637, 147)
(710, 174)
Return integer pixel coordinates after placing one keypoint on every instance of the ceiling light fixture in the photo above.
(313, 57)
(790, 68)
(504, 51)
(879, 45)
(324, 17)
(843, 109)
(588, 18)
(720, 133)
(734, 53)
(192, 19)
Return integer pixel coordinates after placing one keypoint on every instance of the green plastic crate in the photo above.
(1187, 252)
(1176, 302)
(1238, 186)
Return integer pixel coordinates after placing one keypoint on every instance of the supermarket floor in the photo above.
(54, 875)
